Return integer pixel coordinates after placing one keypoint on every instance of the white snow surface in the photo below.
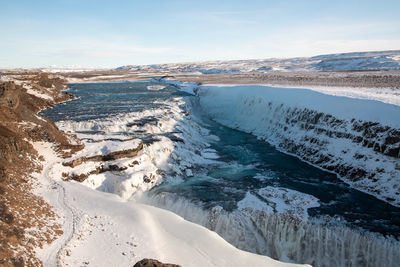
(39, 94)
(327, 100)
(385, 95)
(279, 200)
(104, 147)
(102, 229)
(380, 60)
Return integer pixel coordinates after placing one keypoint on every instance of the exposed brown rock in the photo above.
(83, 176)
(153, 263)
(9, 95)
(127, 153)
(50, 82)
(20, 209)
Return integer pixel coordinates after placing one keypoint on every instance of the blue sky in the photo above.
(100, 33)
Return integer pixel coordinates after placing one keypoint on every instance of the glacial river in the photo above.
(248, 172)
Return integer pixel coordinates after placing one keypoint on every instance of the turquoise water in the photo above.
(103, 100)
(247, 158)
(248, 163)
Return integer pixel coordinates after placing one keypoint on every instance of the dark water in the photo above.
(245, 158)
(103, 100)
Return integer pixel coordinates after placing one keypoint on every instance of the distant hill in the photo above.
(357, 61)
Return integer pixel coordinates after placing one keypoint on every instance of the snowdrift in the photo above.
(101, 229)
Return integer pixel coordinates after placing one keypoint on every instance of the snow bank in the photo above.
(104, 147)
(39, 94)
(280, 200)
(356, 138)
(116, 233)
(385, 95)
(101, 229)
(340, 107)
(284, 236)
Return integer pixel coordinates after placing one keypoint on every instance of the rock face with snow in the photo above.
(114, 155)
(357, 139)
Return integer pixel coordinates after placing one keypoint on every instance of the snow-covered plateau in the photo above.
(361, 61)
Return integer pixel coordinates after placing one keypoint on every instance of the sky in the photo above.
(103, 34)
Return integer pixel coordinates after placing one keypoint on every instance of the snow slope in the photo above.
(388, 60)
(385, 95)
(102, 229)
(355, 138)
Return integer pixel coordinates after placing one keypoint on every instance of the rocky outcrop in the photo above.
(372, 135)
(153, 263)
(127, 153)
(101, 169)
(316, 138)
(9, 95)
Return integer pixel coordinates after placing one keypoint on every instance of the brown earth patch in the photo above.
(26, 220)
(127, 153)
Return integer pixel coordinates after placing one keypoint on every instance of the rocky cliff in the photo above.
(26, 220)
(357, 139)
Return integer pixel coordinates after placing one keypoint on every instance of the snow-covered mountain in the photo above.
(389, 60)
(382, 60)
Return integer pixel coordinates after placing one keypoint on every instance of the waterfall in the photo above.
(284, 237)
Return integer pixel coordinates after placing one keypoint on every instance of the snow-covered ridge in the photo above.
(381, 60)
(385, 60)
(357, 139)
